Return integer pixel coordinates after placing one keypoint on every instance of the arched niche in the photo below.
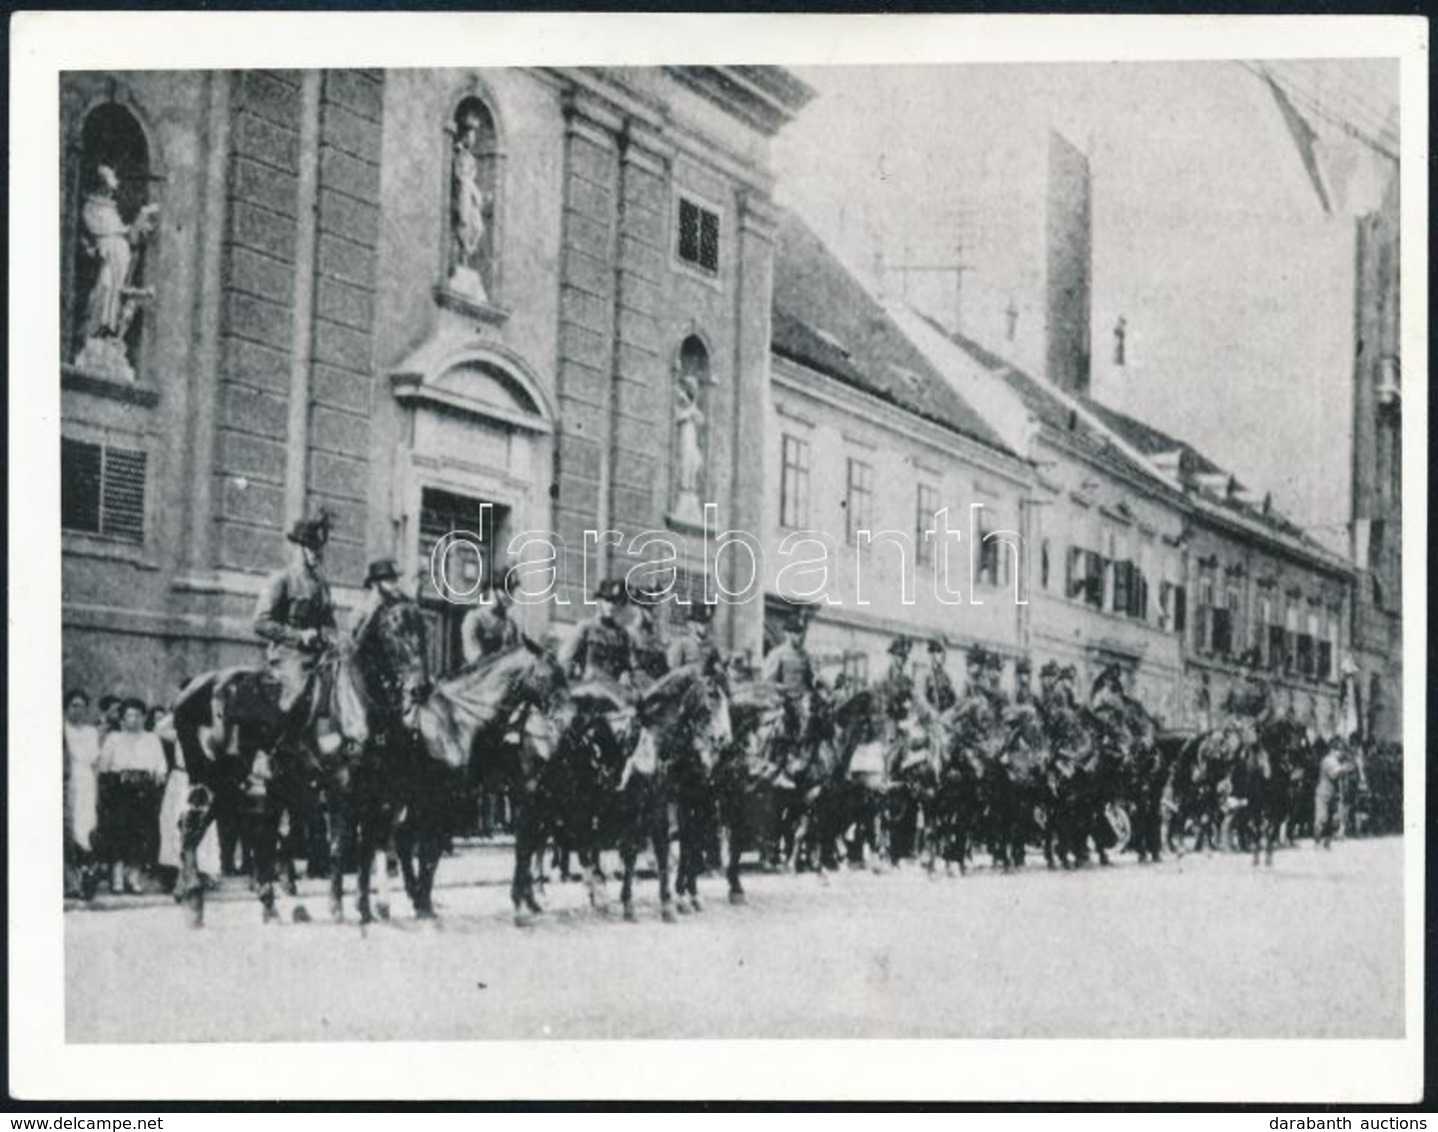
(473, 223)
(108, 237)
(689, 461)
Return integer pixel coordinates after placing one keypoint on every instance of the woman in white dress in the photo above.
(82, 752)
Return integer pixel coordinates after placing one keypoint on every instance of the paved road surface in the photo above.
(1206, 946)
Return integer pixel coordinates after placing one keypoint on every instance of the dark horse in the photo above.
(353, 732)
(500, 716)
(1261, 777)
(684, 721)
(743, 774)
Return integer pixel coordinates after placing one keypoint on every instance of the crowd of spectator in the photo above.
(125, 790)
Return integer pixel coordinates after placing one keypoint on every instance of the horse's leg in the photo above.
(365, 851)
(732, 815)
(336, 817)
(519, 885)
(199, 812)
(659, 836)
(263, 813)
(628, 852)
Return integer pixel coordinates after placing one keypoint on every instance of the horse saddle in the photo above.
(252, 696)
(868, 760)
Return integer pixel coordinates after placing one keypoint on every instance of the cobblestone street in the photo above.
(1205, 946)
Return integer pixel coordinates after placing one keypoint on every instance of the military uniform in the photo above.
(295, 602)
(488, 629)
(692, 648)
(650, 657)
(1249, 708)
(789, 668)
(600, 655)
(936, 688)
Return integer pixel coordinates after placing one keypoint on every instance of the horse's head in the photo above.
(393, 656)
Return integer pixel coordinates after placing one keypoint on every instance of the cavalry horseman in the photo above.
(789, 669)
(696, 644)
(651, 660)
(910, 749)
(1250, 708)
(489, 628)
(601, 656)
(296, 616)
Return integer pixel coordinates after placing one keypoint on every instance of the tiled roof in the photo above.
(824, 319)
(1054, 414)
(1192, 465)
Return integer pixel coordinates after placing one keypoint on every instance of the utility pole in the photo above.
(955, 267)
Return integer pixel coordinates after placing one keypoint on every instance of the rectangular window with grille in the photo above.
(794, 483)
(859, 500)
(102, 490)
(698, 236)
(926, 507)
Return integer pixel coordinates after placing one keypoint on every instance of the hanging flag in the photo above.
(1304, 137)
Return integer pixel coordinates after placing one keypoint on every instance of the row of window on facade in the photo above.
(994, 568)
(111, 226)
(1284, 635)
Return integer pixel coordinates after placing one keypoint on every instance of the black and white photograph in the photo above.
(593, 546)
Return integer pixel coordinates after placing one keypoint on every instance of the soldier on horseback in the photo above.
(696, 644)
(651, 659)
(789, 669)
(601, 657)
(934, 685)
(296, 616)
(1250, 708)
(489, 628)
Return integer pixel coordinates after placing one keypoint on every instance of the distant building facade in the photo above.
(877, 468)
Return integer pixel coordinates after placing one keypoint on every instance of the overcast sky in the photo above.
(1208, 236)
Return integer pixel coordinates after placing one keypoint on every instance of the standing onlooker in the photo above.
(1334, 768)
(82, 752)
(132, 767)
(109, 714)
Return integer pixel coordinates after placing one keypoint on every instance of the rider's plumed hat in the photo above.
(701, 611)
(381, 570)
(1050, 670)
(936, 644)
(311, 533)
(611, 589)
(899, 646)
(978, 657)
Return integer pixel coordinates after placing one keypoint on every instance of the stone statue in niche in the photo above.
(689, 451)
(470, 205)
(113, 248)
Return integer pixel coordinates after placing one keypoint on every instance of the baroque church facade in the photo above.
(526, 305)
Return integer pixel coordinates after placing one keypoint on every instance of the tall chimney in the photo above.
(1069, 260)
